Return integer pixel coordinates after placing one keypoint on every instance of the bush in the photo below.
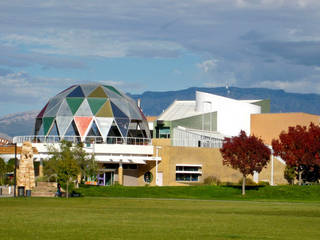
(263, 183)
(212, 180)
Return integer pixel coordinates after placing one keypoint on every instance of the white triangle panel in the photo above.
(63, 123)
(104, 125)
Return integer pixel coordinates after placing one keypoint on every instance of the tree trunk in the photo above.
(244, 185)
(67, 189)
(300, 176)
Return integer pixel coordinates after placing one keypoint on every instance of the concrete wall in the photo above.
(233, 115)
(278, 171)
(130, 177)
(211, 161)
(209, 158)
(269, 126)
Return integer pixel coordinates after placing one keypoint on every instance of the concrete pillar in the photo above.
(41, 168)
(120, 174)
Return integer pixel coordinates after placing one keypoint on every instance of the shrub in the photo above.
(212, 180)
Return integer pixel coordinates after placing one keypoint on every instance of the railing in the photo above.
(88, 140)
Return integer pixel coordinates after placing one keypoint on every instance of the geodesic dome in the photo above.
(92, 110)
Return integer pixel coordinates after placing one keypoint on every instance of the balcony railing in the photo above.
(88, 140)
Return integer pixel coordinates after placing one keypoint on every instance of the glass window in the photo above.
(148, 177)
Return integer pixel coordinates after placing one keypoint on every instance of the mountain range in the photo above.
(154, 103)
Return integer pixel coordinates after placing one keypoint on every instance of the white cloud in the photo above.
(22, 88)
(302, 86)
(208, 65)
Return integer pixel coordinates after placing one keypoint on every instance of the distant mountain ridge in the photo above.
(154, 103)
(18, 124)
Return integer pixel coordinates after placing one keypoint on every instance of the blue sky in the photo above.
(144, 45)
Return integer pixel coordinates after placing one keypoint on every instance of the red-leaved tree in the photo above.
(247, 153)
(299, 148)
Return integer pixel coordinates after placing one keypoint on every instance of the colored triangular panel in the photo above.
(77, 92)
(104, 125)
(98, 93)
(122, 104)
(74, 104)
(117, 113)
(113, 89)
(47, 124)
(96, 104)
(88, 88)
(63, 124)
(64, 109)
(82, 124)
(105, 110)
(84, 109)
(123, 124)
(40, 115)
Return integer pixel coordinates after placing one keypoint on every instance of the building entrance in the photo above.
(106, 178)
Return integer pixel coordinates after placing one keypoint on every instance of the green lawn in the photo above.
(267, 193)
(103, 218)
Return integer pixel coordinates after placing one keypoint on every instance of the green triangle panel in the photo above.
(96, 104)
(113, 89)
(74, 104)
(47, 124)
(98, 93)
(105, 110)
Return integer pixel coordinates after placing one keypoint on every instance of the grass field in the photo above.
(120, 218)
(266, 193)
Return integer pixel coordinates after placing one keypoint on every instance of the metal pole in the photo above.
(271, 181)
(15, 170)
(157, 155)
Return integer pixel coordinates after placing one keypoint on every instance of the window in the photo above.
(188, 172)
(148, 177)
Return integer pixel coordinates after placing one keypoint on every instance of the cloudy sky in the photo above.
(139, 45)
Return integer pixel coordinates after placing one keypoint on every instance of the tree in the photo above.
(300, 149)
(11, 165)
(289, 174)
(63, 162)
(247, 153)
(3, 170)
(86, 162)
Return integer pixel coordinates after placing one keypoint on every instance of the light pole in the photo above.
(15, 170)
(157, 155)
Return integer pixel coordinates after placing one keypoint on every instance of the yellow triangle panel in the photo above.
(98, 93)
(105, 110)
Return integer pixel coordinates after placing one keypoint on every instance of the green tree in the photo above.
(289, 174)
(86, 162)
(11, 165)
(3, 170)
(64, 164)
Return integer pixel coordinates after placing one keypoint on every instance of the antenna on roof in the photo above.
(228, 90)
